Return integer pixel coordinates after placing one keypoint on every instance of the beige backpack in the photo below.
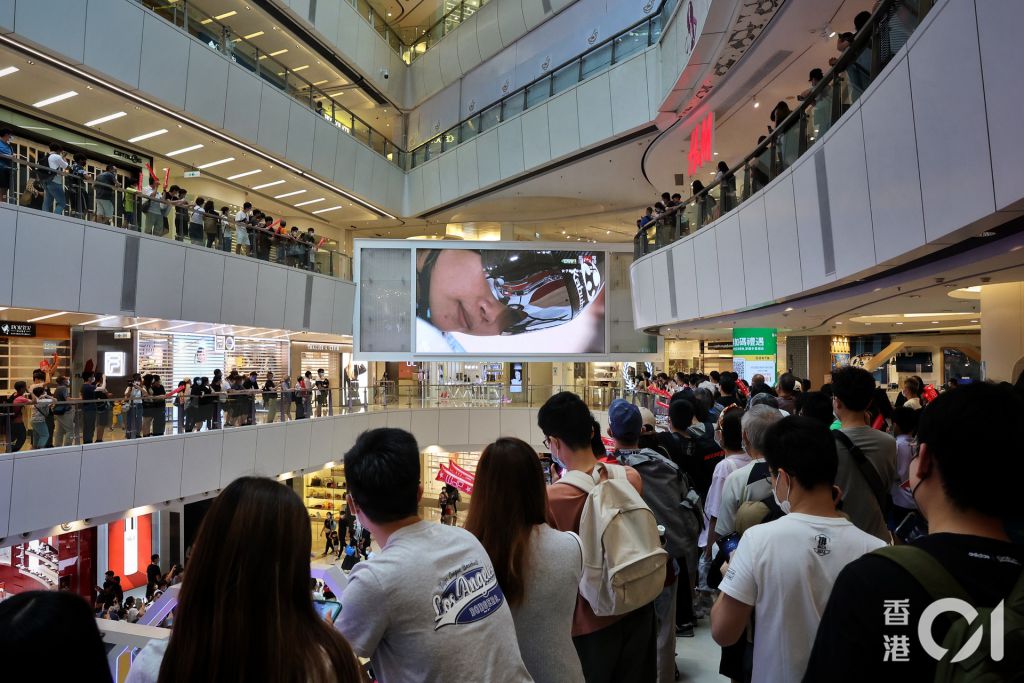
(623, 561)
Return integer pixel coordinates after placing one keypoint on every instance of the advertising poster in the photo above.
(754, 352)
(499, 301)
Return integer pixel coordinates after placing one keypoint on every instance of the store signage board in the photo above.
(336, 348)
(9, 329)
(122, 335)
(754, 352)
(193, 174)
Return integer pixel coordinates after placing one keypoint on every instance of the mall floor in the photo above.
(697, 657)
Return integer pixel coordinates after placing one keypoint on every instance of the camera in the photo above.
(385, 73)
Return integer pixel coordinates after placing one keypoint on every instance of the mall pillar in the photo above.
(1002, 331)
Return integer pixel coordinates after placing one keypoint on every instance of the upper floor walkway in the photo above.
(923, 156)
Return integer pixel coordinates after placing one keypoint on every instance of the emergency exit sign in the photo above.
(193, 174)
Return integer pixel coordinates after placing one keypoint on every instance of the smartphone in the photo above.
(911, 528)
(727, 544)
(327, 609)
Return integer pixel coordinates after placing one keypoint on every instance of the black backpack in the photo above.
(8, 410)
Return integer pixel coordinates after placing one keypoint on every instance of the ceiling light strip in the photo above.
(104, 119)
(55, 99)
(191, 148)
(265, 185)
(46, 317)
(178, 117)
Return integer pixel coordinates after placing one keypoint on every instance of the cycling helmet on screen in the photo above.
(544, 288)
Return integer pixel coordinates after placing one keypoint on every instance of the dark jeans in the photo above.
(88, 426)
(159, 421)
(18, 436)
(624, 652)
(684, 596)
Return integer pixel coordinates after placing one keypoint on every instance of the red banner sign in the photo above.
(701, 143)
(453, 475)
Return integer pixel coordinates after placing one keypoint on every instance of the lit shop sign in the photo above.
(336, 348)
(701, 143)
(17, 329)
(754, 352)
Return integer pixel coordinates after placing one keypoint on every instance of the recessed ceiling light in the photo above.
(790, 308)
(191, 148)
(146, 136)
(253, 35)
(56, 98)
(247, 173)
(146, 322)
(289, 194)
(330, 208)
(975, 321)
(225, 15)
(899, 323)
(99, 320)
(320, 82)
(46, 317)
(274, 54)
(839, 322)
(104, 119)
(7, 71)
(300, 68)
(216, 163)
(310, 201)
(276, 182)
(935, 322)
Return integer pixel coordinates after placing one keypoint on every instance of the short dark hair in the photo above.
(567, 417)
(954, 448)
(732, 430)
(787, 382)
(4, 132)
(596, 442)
(906, 419)
(804, 448)
(382, 471)
(56, 147)
(715, 376)
(726, 385)
(154, 557)
(815, 405)
(861, 20)
(680, 413)
(247, 205)
(853, 386)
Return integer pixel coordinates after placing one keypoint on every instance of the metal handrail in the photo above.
(454, 132)
(832, 81)
(226, 42)
(258, 236)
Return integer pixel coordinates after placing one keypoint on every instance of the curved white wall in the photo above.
(930, 155)
(66, 264)
(42, 489)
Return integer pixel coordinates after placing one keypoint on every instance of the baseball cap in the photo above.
(624, 419)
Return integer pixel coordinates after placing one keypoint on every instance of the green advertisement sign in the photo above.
(754, 352)
(754, 341)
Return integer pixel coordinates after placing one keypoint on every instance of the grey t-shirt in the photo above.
(544, 617)
(738, 489)
(859, 502)
(428, 607)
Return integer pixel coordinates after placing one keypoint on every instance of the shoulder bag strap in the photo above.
(867, 470)
(926, 570)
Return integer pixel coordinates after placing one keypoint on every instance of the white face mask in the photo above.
(784, 505)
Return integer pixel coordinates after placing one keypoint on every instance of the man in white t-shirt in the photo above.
(783, 571)
(428, 606)
(53, 187)
(711, 384)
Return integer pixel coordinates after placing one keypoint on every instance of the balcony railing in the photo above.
(123, 205)
(135, 412)
(597, 59)
(795, 132)
(237, 49)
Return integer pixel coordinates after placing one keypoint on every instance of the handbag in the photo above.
(316, 481)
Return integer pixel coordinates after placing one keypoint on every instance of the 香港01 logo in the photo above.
(897, 647)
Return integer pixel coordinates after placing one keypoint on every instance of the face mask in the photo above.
(784, 505)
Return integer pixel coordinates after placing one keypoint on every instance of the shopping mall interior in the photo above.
(250, 240)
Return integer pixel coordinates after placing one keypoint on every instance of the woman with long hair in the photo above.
(245, 612)
(538, 568)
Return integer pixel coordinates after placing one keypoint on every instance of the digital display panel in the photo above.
(483, 301)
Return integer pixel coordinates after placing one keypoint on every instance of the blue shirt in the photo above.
(5, 151)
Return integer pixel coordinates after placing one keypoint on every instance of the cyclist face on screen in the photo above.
(461, 300)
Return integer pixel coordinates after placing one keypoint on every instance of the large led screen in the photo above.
(471, 301)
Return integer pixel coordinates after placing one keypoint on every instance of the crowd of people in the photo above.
(155, 207)
(786, 517)
(46, 415)
(667, 220)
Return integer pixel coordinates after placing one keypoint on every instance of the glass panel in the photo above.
(565, 78)
(597, 60)
(489, 118)
(360, 131)
(788, 145)
(538, 92)
(450, 138)
(434, 147)
(655, 30)
(469, 128)
(631, 43)
(377, 142)
(513, 105)
(419, 155)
